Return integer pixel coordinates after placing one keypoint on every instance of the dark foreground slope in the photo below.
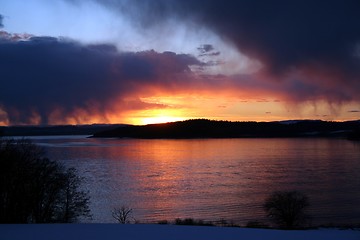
(202, 128)
(162, 232)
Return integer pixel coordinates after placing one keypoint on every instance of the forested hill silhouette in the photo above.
(203, 128)
(52, 130)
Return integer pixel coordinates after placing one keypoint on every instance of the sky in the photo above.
(147, 61)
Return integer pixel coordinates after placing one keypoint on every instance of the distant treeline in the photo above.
(55, 130)
(203, 128)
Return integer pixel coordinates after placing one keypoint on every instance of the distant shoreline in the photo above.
(56, 130)
(197, 129)
(203, 128)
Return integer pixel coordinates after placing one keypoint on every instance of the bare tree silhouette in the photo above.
(122, 214)
(34, 189)
(287, 208)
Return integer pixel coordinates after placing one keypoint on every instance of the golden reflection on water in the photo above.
(214, 179)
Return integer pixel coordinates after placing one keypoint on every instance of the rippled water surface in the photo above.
(213, 179)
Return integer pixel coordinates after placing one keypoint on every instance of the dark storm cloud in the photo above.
(1, 21)
(311, 44)
(282, 33)
(44, 74)
(207, 50)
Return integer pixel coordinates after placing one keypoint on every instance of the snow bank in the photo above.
(160, 232)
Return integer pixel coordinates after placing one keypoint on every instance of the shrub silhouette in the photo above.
(287, 209)
(256, 224)
(191, 221)
(34, 189)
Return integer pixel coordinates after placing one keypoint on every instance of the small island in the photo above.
(204, 128)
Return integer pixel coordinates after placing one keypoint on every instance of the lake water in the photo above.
(213, 179)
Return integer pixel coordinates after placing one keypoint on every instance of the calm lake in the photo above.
(212, 179)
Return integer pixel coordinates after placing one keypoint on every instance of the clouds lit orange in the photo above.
(239, 61)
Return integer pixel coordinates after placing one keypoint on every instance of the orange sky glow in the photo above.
(134, 67)
(182, 107)
(240, 110)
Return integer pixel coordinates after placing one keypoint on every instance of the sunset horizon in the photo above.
(165, 120)
(140, 62)
(131, 117)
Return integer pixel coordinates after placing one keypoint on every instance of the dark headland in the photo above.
(56, 130)
(203, 128)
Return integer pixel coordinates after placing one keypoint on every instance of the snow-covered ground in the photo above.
(161, 232)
